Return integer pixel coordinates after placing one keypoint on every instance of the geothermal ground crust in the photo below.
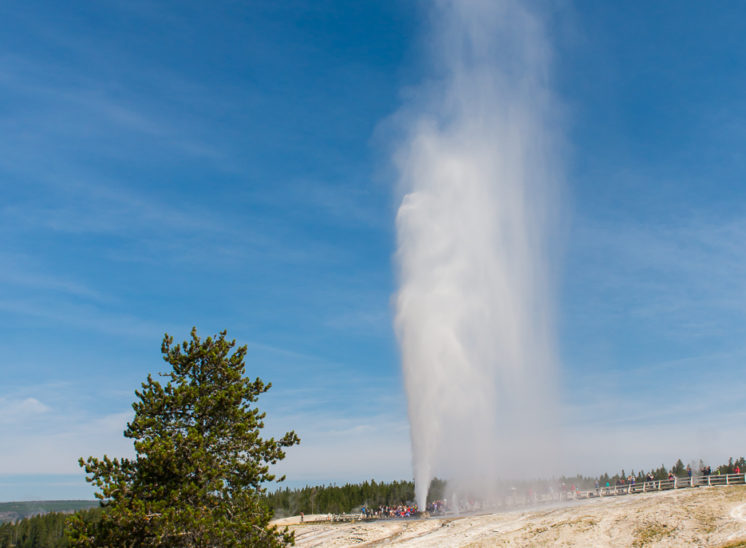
(714, 516)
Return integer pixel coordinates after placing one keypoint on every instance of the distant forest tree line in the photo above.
(333, 499)
(48, 531)
(44, 531)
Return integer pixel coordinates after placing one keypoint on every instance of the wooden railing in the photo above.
(661, 485)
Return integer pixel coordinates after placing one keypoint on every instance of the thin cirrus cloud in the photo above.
(654, 348)
(690, 274)
(56, 448)
(21, 410)
(19, 272)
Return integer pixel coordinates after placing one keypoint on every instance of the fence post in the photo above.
(675, 482)
(727, 479)
(708, 481)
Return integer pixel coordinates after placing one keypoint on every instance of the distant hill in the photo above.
(12, 511)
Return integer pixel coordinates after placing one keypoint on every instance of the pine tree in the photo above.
(678, 468)
(201, 464)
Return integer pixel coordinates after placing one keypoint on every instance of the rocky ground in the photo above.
(705, 516)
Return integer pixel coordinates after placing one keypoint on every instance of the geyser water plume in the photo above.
(474, 311)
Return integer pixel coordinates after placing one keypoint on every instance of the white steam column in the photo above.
(474, 311)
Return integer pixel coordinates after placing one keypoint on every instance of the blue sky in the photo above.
(228, 166)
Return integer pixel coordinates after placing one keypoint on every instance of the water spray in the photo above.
(478, 174)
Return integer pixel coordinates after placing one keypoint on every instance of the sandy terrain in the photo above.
(706, 516)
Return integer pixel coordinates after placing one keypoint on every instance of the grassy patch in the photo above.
(651, 532)
(582, 523)
(707, 521)
(740, 543)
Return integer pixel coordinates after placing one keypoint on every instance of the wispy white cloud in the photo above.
(18, 411)
(658, 312)
(56, 447)
(359, 204)
(81, 316)
(346, 445)
(687, 276)
(337, 449)
(362, 320)
(75, 106)
(19, 270)
(643, 446)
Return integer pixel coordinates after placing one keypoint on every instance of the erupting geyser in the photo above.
(474, 310)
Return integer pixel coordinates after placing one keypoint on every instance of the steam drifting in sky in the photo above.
(479, 176)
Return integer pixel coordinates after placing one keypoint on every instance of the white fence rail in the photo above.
(660, 485)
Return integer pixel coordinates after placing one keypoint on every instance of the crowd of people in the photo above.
(400, 511)
(707, 471)
(403, 510)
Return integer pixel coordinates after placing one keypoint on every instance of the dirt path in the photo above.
(706, 516)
